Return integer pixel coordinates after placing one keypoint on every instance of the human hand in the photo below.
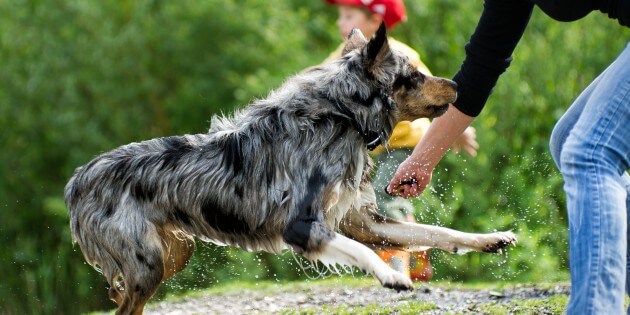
(410, 180)
(467, 141)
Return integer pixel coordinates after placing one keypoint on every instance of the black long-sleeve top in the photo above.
(502, 23)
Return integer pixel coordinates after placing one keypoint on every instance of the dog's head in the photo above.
(415, 94)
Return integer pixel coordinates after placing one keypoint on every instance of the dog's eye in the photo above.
(417, 77)
(421, 76)
(410, 81)
(402, 81)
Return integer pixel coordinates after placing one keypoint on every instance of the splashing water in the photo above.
(321, 270)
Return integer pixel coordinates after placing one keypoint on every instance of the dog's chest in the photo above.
(348, 192)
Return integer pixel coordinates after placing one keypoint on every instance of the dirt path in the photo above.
(317, 298)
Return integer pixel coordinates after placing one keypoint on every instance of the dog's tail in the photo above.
(84, 232)
(71, 196)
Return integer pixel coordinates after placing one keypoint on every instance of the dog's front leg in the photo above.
(369, 227)
(313, 240)
(342, 250)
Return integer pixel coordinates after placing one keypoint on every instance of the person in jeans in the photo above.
(590, 145)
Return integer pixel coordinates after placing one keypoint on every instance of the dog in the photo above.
(291, 171)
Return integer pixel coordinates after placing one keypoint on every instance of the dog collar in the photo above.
(372, 139)
(371, 145)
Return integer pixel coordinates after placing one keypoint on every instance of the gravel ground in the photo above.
(449, 301)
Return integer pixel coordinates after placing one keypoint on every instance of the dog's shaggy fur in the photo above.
(290, 171)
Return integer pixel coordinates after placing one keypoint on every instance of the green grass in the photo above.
(268, 286)
(352, 282)
(374, 308)
(554, 305)
(272, 287)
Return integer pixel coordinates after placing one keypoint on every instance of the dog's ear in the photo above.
(377, 48)
(355, 40)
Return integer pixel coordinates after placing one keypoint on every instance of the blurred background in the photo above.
(78, 78)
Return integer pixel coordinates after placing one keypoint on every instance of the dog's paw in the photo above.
(498, 241)
(397, 281)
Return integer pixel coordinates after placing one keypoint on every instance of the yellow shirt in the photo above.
(406, 134)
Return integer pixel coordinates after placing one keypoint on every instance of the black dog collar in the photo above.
(371, 138)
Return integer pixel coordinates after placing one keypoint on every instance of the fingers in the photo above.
(410, 180)
(468, 142)
(393, 189)
(411, 191)
(472, 150)
(406, 189)
(471, 143)
(401, 188)
(456, 148)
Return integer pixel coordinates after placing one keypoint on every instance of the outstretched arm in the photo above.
(414, 174)
(488, 54)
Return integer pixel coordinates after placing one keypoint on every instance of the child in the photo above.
(367, 16)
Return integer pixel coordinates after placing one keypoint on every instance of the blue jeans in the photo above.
(591, 147)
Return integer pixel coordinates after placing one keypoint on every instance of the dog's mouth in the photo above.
(438, 110)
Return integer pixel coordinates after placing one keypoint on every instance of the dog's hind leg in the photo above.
(159, 260)
(116, 289)
(142, 271)
(177, 248)
(140, 285)
(369, 227)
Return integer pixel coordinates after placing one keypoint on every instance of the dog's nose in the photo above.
(453, 84)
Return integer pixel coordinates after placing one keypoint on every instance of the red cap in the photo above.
(392, 11)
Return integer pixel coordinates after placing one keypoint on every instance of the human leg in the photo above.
(626, 181)
(563, 127)
(593, 161)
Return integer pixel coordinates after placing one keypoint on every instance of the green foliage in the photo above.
(82, 77)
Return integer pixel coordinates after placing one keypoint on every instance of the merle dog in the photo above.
(291, 171)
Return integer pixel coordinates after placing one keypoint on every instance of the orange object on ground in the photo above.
(398, 260)
(415, 265)
(420, 266)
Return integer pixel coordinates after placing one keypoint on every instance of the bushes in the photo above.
(80, 78)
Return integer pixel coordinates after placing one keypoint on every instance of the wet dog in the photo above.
(291, 171)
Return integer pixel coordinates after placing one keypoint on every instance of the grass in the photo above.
(553, 305)
(272, 287)
(348, 281)
(407, 308)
